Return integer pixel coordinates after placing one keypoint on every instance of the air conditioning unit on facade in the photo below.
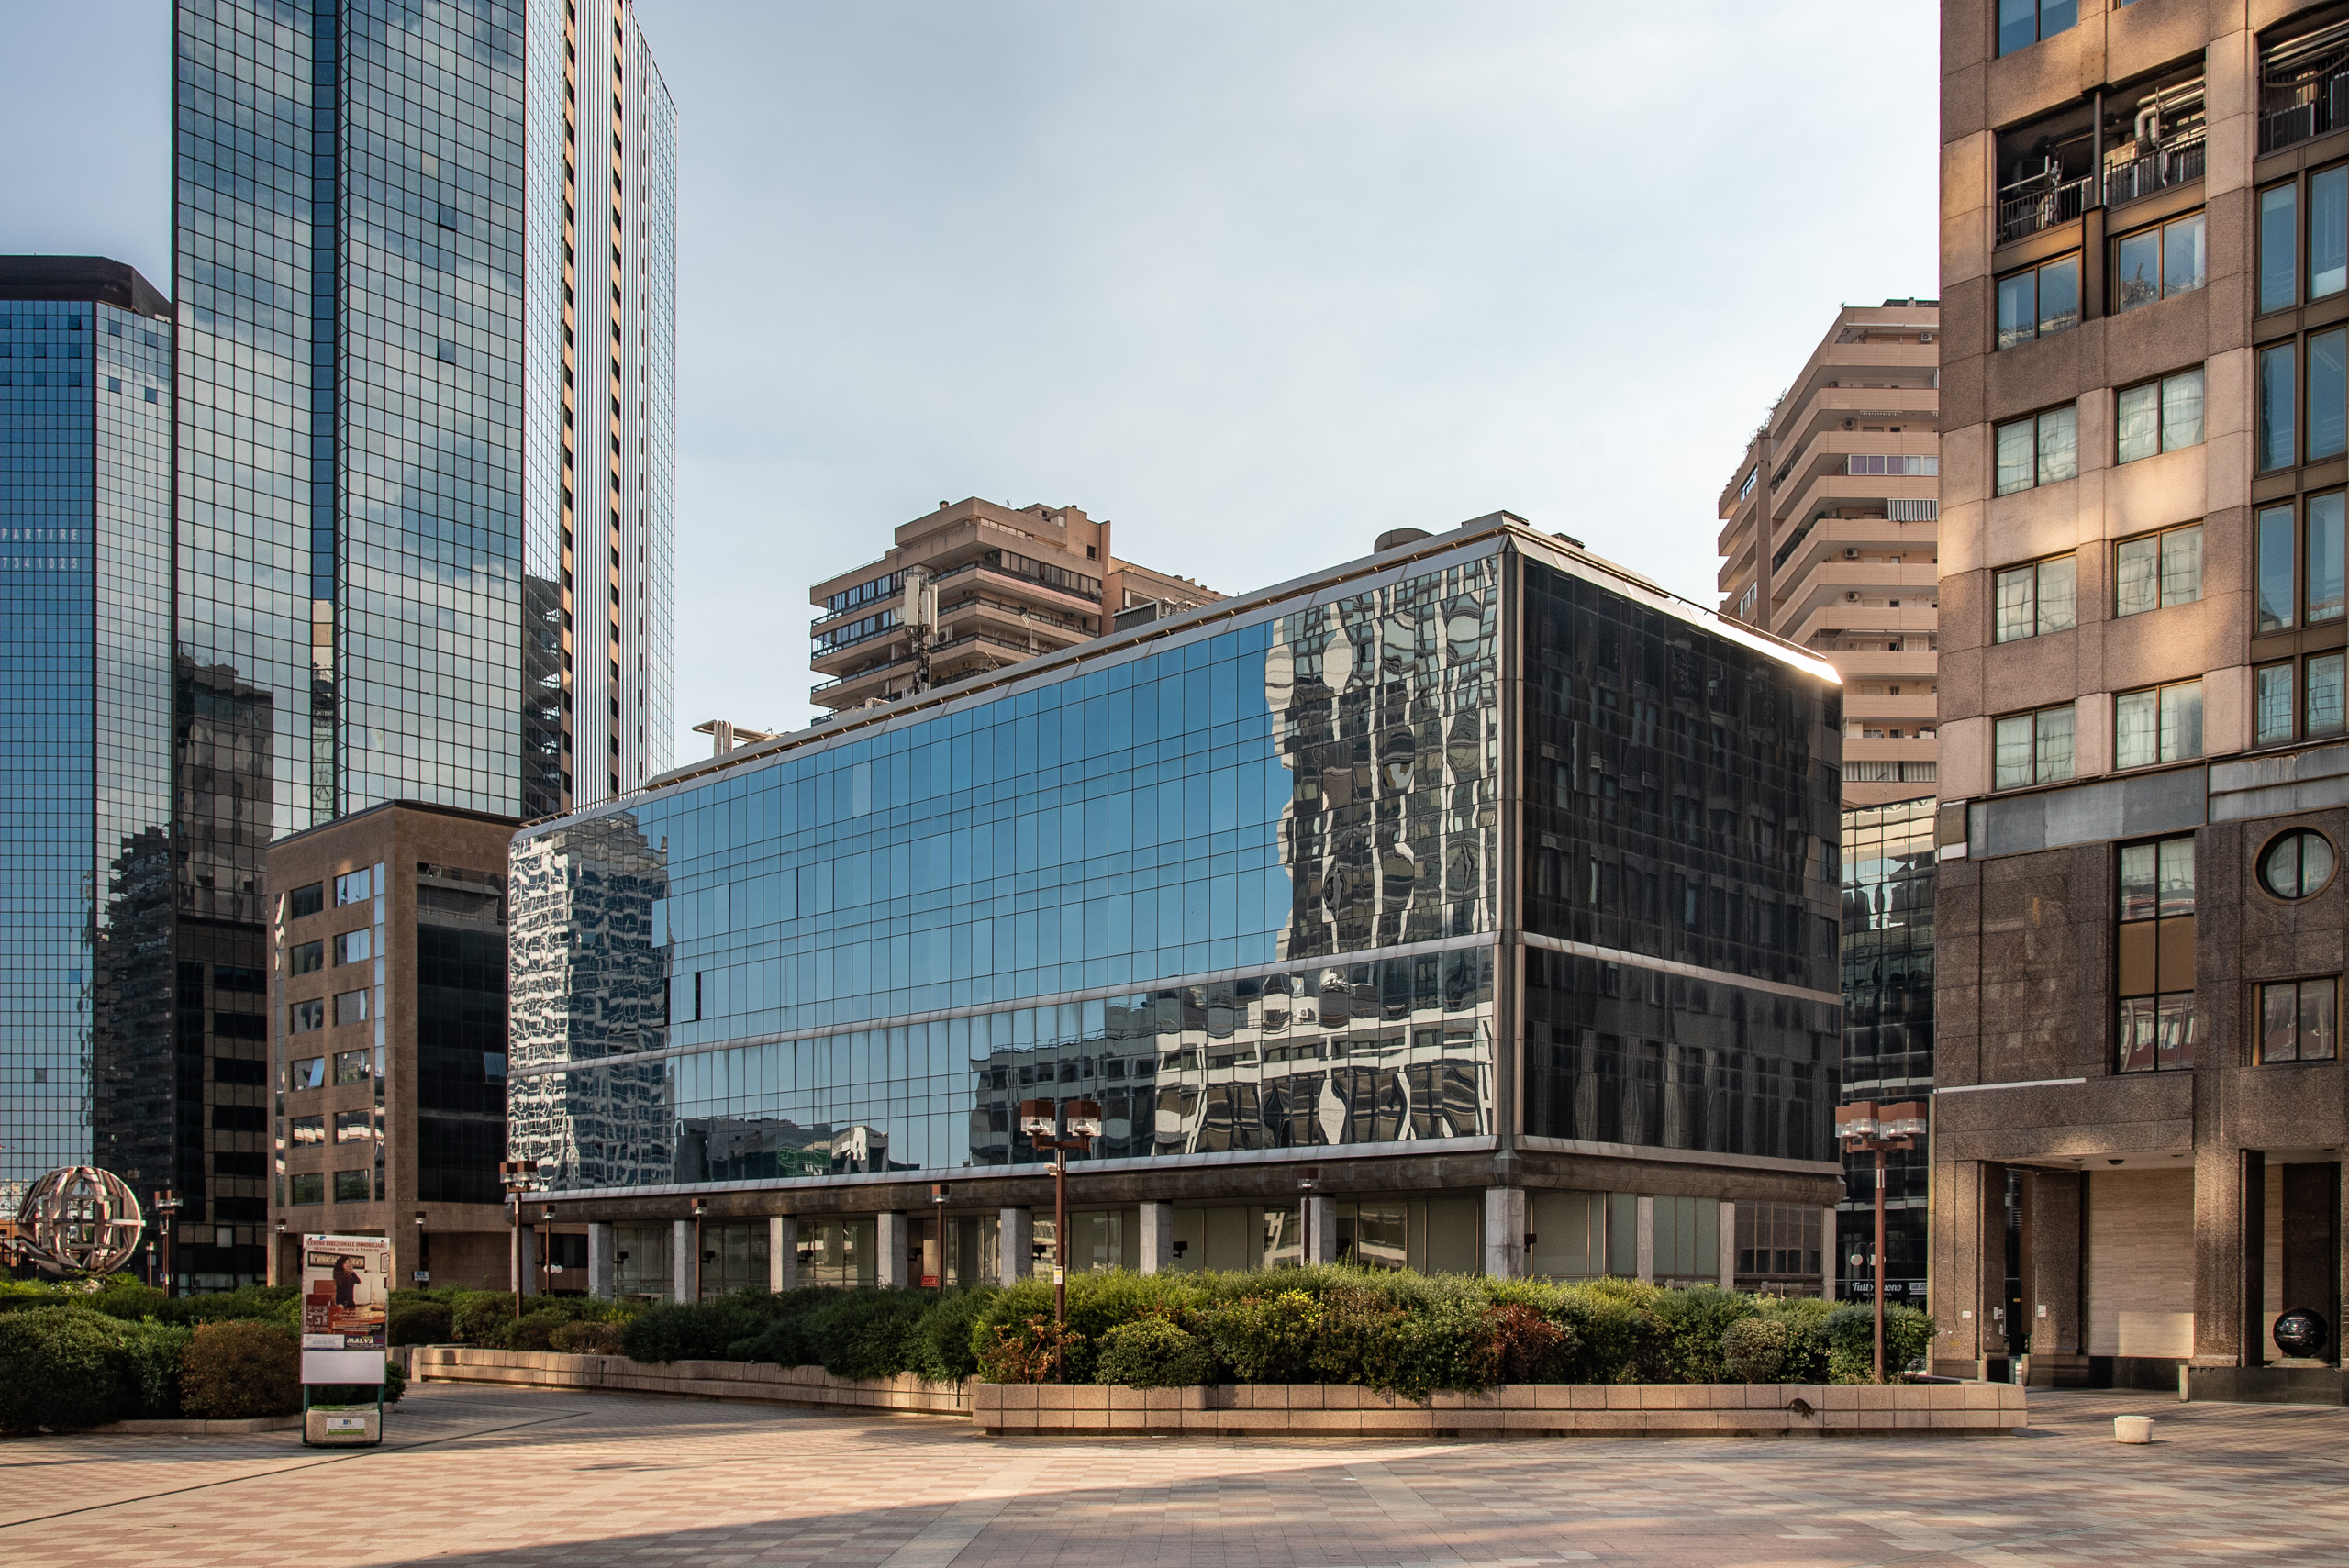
(1851, 598)
(1850, 552)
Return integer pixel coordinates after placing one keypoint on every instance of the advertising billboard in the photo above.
(346, 1292)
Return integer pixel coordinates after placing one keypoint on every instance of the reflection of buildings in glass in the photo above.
(1383, 703)
(1887, 875)
(588, 983)
(723, 1149)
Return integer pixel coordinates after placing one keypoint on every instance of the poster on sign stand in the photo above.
(346, 1312)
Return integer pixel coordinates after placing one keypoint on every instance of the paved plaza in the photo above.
(505, 1478)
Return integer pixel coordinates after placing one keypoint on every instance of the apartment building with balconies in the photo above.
(2139, 1106)
(989, 586)
(1829, 529)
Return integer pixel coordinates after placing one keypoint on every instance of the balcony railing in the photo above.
(2176, 163)
(2304, 88)
(2040, 202)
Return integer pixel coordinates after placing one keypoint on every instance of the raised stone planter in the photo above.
(188, 1427)
(758, 1381)
(1527, 1410)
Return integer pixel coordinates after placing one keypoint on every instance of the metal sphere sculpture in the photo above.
(2301, 1332)
(80, 1219)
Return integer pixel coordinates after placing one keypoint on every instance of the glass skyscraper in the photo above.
(1888, 874)
(86, 479)
(1487, 874)
(377, 267)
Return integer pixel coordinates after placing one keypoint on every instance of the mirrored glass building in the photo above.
(86, 572)
(1478, 884)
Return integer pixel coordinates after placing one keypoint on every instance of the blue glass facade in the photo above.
(84, 707)
(1248, 883)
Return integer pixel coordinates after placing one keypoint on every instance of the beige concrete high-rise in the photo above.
(1829, 534)
(1005, 586)
(2139, 1113)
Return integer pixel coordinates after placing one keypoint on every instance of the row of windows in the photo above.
(2151, 571)
(2151, 419)
(2152, 264)
(2151, 726)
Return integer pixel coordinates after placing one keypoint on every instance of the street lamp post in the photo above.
(167, 1209)
(1866, 1129)
(938, 1205)
(1039, 1120)
(1309, 1182)
(423, 1251)
(546, 1250)
(701, 1206)
(522, 1179)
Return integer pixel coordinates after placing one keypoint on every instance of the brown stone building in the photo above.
(2140, 1102)
(1828, 534)
(387, 1035)
(1007, 585)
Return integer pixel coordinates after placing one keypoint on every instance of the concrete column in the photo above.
(1968, 1275)
(783, 1252)
(1644, 1254)
(1015, 1231)
(1157, 1238)
(533, 1241)
(1505, 1232)
(1321, 1225)
(1728, 1245)
(890, 1234)
(1827, 1244)
(687, 1272)
(2253, 1260)
(602, 1269)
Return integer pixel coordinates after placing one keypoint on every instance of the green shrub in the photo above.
(240, 1369)
(420, 1322)
(586, 1336)
(704, 1330)
(867, 1333)
(277, 1304)
(940, 1342)
(1685, 1341)
(1154, 1352)
(1850, 1333)
(1033, 1350)
(1267, 1340)
(63, 1367)
(129, 1300)
(534, 1330)
(1804, 1317)
(482, 1317)
(1754, 1350)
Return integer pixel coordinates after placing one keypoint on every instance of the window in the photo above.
(2161, 724)
(2311, 563)
(309, 1129)
(310, 1073)
(1892, 465)
(309, 1186)
(350, 947)
(354, 1127)
(2037, 450)
(2279, 422)
(2298, 865)
(2022, 23)
(2299, 1020)
(306, 901)
(2033, 748)
(2326, 238)
(2319, 712)
(350, 887)
(2034, 600)
(351, 1007)
(350, 1186)
(2160, 416)
(303, 1017)
(2155, 956)
(2039, 302)
(306, 957)
(2154, 263)
(350, 1066)
(2158, 570)
(2328, 394)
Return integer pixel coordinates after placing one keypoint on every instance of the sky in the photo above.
(1255, 280)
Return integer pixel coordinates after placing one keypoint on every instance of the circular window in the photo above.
(2297, 863)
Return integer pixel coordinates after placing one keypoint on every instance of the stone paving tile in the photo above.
(513, 1478)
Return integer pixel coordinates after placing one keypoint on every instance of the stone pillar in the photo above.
(890, 1234)
(1643, 1233)
(533, 1242)
(1967, 1278)
(1157, 1238)
(1504, 1232)
(1015, 1234)
(602, 1251)
(1321, 1225)
(1727, 1246)
(2253, 1211)
(685, 1263)
(1827, 1245)
(2052, 1310)
(783, 1252)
